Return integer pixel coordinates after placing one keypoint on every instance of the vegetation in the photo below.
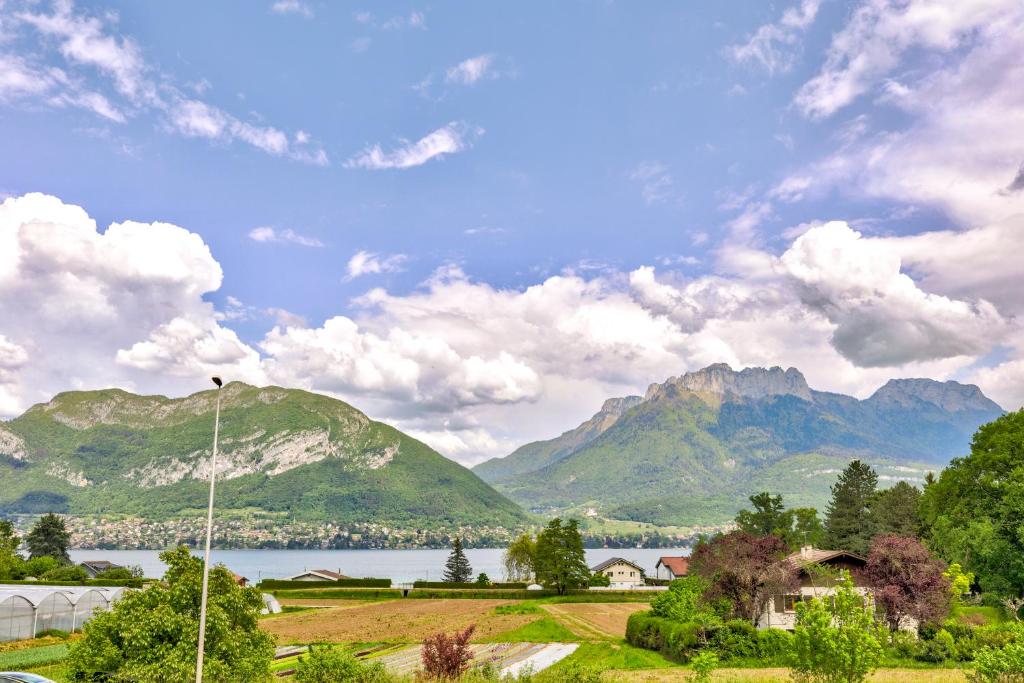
(49, 538)
(543, 630)
(848, 523)
(836, 640)
(456, 568)
(796, 527)
(560, 561)
(325, 664)
(520, 559)
(151, 635)
(907, 581)
(447, 657)
(284, 584)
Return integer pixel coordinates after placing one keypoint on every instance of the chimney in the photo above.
(805, 552)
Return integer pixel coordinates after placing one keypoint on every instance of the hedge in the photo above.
(341, 594)
(676, 640)
(284, 584)
(482, 594)
(468, 584)
(107, 583)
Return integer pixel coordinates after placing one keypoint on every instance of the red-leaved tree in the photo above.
(907, 580)
(746, 570)
(447, 657)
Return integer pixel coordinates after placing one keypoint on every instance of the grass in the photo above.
(620, 656)
(35, 656)
(518, 608)
(543, 630)
(368, 594)
(980, 616)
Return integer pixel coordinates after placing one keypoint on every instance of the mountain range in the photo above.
(694, 447)
(284, 451)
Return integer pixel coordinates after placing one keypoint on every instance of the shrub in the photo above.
(483, 580)
(675, 640)
(939, 649)
(53, 633)
(285, 584)
(703, 664)
(121, 574)
(774, 645)
(999, 665)
(904, 644)
(574, 672)
(69, 573)
(37, 566)
(737, 639)
(333, 665)
(599, 579)
(447, 657)
(468, 584)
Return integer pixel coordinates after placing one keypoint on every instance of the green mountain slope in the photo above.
(696, 446)
(282, 450)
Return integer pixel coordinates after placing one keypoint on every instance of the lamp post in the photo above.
(209, 534)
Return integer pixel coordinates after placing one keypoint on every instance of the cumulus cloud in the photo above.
(372, 263)
(882, 317)
(269, 234)
(455, 137)
(774, 46)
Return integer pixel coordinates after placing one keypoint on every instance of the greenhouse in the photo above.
(26, 611)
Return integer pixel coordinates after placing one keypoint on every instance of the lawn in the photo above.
(27, 657)
(543, 630)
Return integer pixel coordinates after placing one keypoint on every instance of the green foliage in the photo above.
(678, 641)
(518, 608)
(703, 664)
(774, 646)
(895, 510)
(341, 594)
(151, 635)
(520, 558)
(49, 538)
(285, 584)
(999, 664)
(683, 602)
(560, 562)
(600, 580)
(848, 523)
(736, 639)
(797, 527)
(72, 573)
(836, 639)
(456, 568)
(121, 573)
(40, 566)
(483, 580)
(974, 511)
(473, 585)
(543, 630)
(326, 664)
(31, 657)
(959, 581)
(939, 648)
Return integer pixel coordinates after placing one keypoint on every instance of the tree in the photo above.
(807, 529)
(49, 538)
(151, 636)
(520, 559)
(768, 517)
(560, 560)
(684, 602)
(447, 657)
(746, 570)
(836, 639)
(848, 516)
(483, 580)
(907, 581)
(973, 511)
(10, 561)
(456, 568)
(960, 582)
(894, 510)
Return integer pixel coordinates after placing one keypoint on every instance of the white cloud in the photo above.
(292, 7)
(414, 19)
(469, 71)
(371, 263)
(880, 31)
(773, 46)
(269, 234)
(655, 181)
(455, 137)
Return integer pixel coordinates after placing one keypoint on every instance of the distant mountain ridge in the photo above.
(282, 451)
(696, 445)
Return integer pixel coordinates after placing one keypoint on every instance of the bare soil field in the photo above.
(595, 620)
(322, 602)
(398, 621)
(766, 675)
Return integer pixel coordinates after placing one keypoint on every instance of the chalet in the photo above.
(240, 580)
(671, 567)
(318, 575)
(96, 567)
(781, 609)
(621, 573)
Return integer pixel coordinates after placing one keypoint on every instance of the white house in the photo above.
(317, 575)
(781, 609)
(669, 567)
(621, 573)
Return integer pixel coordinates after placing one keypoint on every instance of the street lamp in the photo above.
(209, 533)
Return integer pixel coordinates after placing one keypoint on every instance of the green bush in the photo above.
(53, 633)
(325, 664)
(999, 665)
(285, 584)
(677, 641)
(341, 594)
(940, 648)
(703, 664)
(467, 584)
(69, 573)
(736, 639)
(774, 646)
(904, 645)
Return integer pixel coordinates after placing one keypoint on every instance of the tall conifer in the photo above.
(848, 522)
(456, 568)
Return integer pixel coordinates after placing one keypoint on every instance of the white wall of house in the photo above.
(786, 619)
(622, 574)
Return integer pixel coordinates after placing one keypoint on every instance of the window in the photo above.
(789, 602)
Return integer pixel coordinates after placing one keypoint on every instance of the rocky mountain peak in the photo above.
(721, 379)
(950, 396)
(617, 406)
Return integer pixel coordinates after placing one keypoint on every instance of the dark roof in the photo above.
(100, 565)
(680, 566)
(614, 560)
(804, 557)
(324, 572)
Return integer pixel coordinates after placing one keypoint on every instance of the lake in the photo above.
(399, 565)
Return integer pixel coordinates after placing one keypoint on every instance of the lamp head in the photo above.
(218, 382)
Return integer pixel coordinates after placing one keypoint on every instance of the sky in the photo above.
(478, 221)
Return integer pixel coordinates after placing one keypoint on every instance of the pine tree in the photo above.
(456, 568)
(848, 522)
(894, 510)
(49, 538)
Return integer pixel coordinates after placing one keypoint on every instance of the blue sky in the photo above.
(478, 221)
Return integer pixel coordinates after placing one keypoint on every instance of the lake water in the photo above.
(398, 565)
